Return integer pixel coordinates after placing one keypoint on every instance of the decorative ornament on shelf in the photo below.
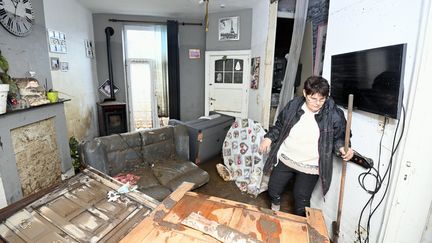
(31, 93)
(17, 16)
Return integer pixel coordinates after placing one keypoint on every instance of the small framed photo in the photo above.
(194, 54)
(229, 28)
(105, 88)
(64, 66)
(55, 63)
(89, 49)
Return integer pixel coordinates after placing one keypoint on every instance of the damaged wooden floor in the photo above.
(219, 188)
(164, 224)
(77, 211)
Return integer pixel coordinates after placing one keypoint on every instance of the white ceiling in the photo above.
(168, 8)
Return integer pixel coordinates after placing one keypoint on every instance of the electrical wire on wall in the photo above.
(379, 180)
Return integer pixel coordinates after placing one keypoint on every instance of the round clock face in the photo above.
(16, 16)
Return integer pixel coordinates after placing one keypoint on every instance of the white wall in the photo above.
(408, 211)
(259, 99)
(79, 83)
(357, 25)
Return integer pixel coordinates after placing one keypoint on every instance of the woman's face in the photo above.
(315, 101)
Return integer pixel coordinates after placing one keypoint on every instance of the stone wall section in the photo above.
(37, 155)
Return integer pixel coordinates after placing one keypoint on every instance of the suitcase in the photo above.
(206, 136)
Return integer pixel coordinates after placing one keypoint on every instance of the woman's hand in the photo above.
(348, 155)
(265, 145)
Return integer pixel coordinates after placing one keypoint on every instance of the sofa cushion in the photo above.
(171, 173)
(197, 176)
(120, 151)
(158, 144)
(157, 192)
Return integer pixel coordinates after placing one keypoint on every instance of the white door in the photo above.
(227, 82)
(141, 94)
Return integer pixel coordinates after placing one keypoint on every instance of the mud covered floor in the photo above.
(228, 190)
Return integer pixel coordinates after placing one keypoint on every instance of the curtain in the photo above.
(173, 70)
(287, 91)
(162, 71)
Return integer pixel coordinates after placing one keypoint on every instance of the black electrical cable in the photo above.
(378, 179)
(378, 183)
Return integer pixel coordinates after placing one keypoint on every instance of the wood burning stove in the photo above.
(111, 114)
(112, 118)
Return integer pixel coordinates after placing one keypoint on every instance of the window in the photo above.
(147, 74)
(229, 71)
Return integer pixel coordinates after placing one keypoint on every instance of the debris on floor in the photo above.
(125, 178)
(216, 230)
(224, 172)
(113, 196)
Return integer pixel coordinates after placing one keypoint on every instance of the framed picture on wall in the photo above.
(89, 48)
(57, 41)
(194, 54)
(55, 63)
(255, 71)
(229, 28)
(105, 88)
(64, 66)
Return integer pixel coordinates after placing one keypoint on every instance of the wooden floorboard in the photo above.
(164, 224)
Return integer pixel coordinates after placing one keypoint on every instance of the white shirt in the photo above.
(300, 149)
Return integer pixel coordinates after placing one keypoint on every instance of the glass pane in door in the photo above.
(219, 77)
(219, 65)
(229, 65)
(238, 77)
(238, 65)
(140, 76)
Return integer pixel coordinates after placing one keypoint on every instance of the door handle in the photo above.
(211, 99)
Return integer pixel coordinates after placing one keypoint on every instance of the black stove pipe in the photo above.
(109, 31)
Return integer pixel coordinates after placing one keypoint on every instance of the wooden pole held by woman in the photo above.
(336, 225)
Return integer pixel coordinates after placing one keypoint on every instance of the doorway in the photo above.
(284, 30)
(227, 82)
(147, 75)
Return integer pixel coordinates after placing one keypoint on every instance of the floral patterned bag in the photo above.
(243, 163)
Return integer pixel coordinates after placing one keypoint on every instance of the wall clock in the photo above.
(16, 16)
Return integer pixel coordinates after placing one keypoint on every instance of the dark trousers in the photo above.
(303, 186)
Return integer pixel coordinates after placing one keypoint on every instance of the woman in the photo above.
(306, 133)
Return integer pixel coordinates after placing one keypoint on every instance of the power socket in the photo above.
(363, 235)
(381, 126)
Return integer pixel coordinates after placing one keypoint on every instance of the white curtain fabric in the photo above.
(287, 91)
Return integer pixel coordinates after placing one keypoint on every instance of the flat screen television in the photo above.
(374, 77)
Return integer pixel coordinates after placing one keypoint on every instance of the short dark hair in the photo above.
(316, 85)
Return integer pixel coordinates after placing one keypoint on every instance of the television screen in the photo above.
(373, 76)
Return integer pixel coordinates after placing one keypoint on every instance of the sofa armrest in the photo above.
(93, 153)
(181, 142)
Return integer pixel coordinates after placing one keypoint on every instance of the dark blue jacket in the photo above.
(331, 122)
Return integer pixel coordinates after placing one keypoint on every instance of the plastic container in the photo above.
(4, 89)
(52, 96)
